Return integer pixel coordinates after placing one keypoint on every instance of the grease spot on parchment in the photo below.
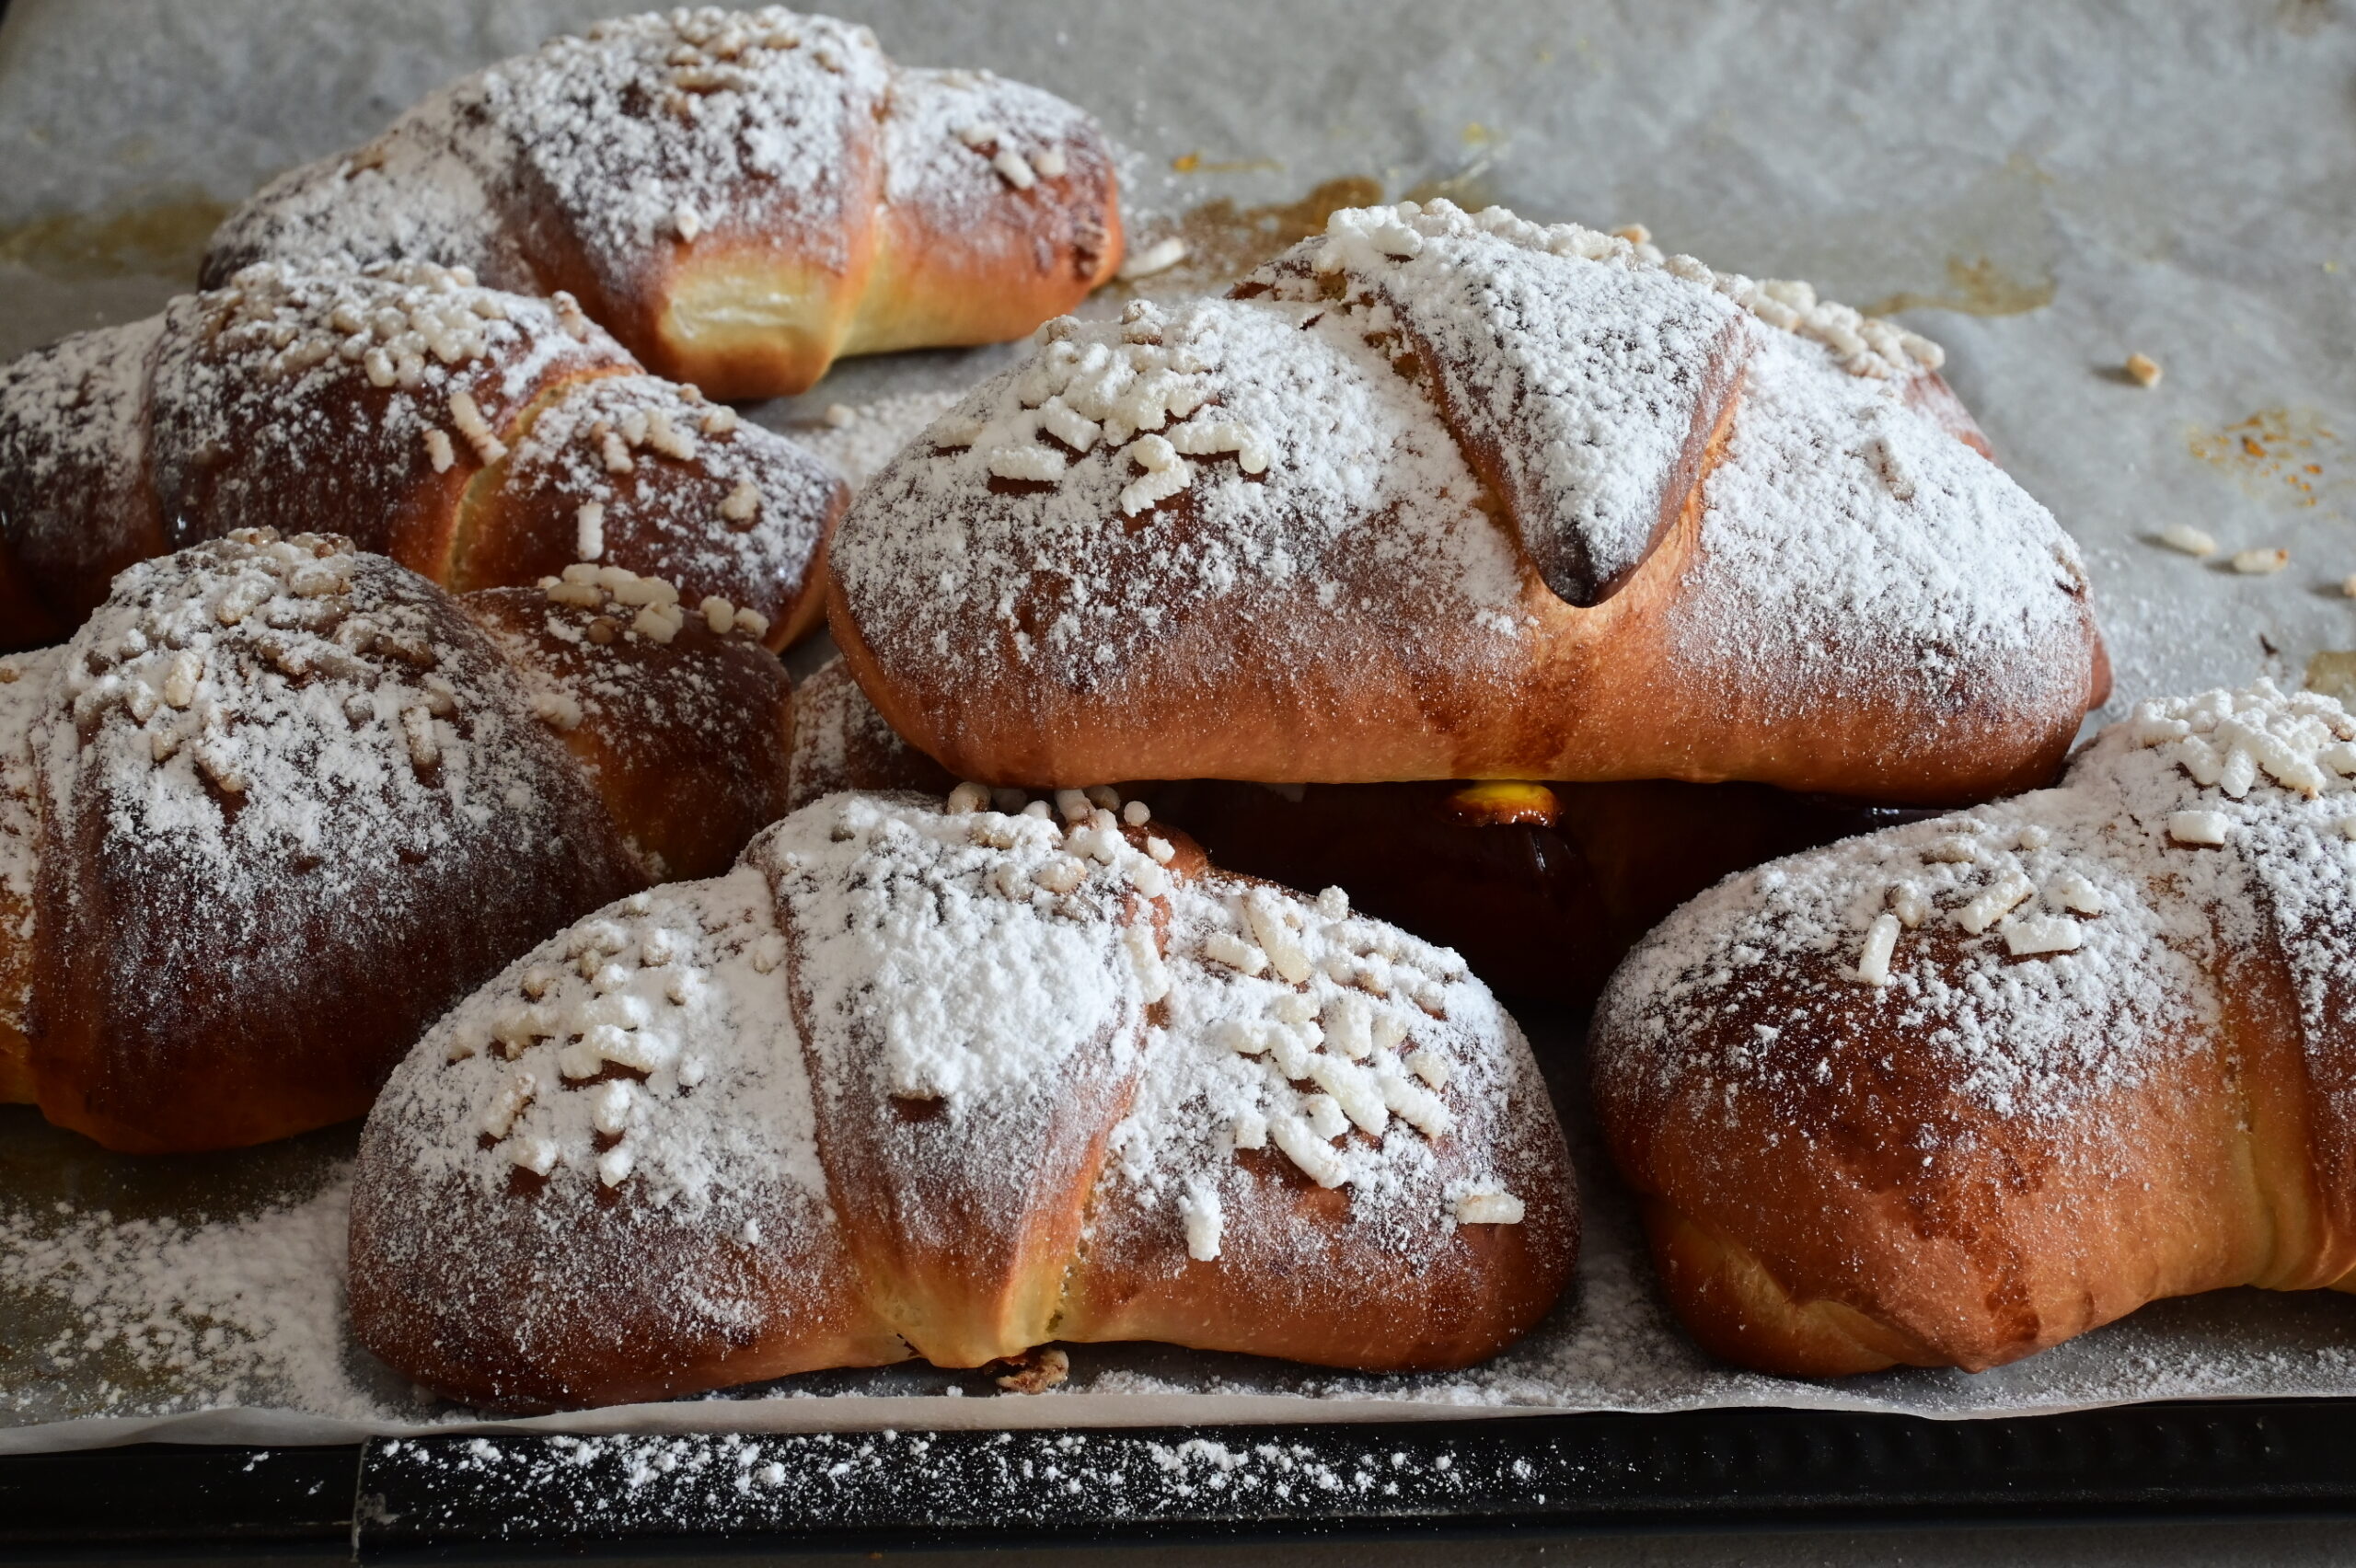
(2287, 456)
(160, 237)
(1194, 163)
(1979, 286)
(2333, 673)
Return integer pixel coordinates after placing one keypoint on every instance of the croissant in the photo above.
(1542, 888)
(1953, 1093)
(950, 1084)
(740, 197)
(280, 802)
(481, 438)
(1439, 496)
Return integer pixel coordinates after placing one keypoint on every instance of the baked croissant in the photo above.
(1951, 1093)
(908, 1083)
(1439, 496)
(739, 197)
(280, 802)
(481, 438)
(1543, 888)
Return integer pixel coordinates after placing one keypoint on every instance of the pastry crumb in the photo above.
(1159, 257)
(2190, 540)
(1034, 1371)
(2261, 563)
(2144, 370)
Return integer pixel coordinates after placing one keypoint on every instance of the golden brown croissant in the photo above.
(1954, 1092)
(479, 438)
(1440, 496)
(280, 802)
(1543, 888)
(908, 1083)
(739, 197)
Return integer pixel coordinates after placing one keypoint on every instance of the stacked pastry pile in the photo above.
(1440, 496)
(909, 1080)
(1526, 578)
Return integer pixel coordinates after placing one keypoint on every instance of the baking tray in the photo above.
(2041, 189)
(394, 1500)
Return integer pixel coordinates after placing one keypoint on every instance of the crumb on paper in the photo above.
(2144, 370)
(2347, 585)
(840, 416)
(1635, 233)
(1159, 257)
(2261, 563)
(1034, 1371)
(2190, 540)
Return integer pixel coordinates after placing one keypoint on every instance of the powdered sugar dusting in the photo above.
(1361, 525)
(684, 490)
(2069, 942)
(649, 1048)
(1581, 387)
(72, 428)
(957, 959)
(652, 132)
(293, 395)
(25, 684)
(1850, 545)
(178, 1315)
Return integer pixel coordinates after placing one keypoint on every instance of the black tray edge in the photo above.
(395, 1499)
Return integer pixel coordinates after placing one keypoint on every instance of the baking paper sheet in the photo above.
(2042, 190)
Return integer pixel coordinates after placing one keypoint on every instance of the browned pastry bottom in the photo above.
(1541, 887)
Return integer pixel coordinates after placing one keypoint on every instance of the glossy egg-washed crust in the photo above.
(458, 430)
(739, 197)
(280, 803)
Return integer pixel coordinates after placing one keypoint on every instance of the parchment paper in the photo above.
(2043, 189)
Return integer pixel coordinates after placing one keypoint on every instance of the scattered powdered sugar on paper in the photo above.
(875, 432)
(158, 1316)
